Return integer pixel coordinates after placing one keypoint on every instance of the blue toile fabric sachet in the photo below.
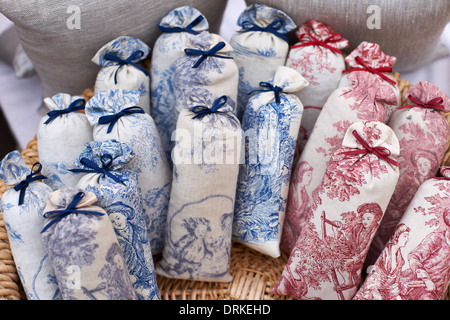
(121, 68)
(61, 136)
(22, 206)
(259, 47)
(118, 193)
(206, 165)
(114, 115)
(177, 27)
(83, 248)
(271, 123)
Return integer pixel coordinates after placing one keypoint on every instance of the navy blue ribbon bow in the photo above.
(188, 28)
(135, 55)
(33, 176)
(112, 119)
(202, 111)
(273, 28)
(58, 215)
(92, 167)
(205, 54)
(276, 90)
(77, 105)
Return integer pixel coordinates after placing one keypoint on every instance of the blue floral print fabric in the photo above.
(24, 224)
(177, 27)
(121, 198)
(262, 190)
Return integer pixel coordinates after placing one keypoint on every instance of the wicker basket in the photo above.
(254, 274)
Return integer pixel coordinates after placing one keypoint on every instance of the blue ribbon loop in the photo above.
(112, 119)
(58, 215)
(276, 90)
(188, 28)
(33, 176)
(272, 28)
(202, 111)
(135, 55)
(92, 167)
(205, 54)
(76, 105)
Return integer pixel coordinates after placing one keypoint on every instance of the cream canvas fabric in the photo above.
(200, 217)
(420, 120)
(61, 137)
(125, 122)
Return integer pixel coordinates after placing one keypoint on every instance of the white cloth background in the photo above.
(20, 99)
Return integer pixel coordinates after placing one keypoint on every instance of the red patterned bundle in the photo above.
(366, 93)
(419, 121)
(415, 263)
(317, 57)
(328, 256)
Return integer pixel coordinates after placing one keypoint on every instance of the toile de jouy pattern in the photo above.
(362, 96)
(168, 48)
(264, 176)
(259, 42)
(415, 263)
(121, 198)
(318, 58)
(327, 259)
(139, 132)
(200, 217)
(24, 223)
(418, 162)
(216, 75)
(61, 138)
(84, 251)
(119, 68)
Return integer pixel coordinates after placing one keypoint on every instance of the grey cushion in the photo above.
(409, 29)
(62, 56)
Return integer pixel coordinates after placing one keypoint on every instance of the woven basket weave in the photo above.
(254, 274)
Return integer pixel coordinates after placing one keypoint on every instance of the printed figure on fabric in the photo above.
(259, 199)
(336, 252)
(197, 243)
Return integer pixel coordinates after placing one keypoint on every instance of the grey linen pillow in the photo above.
(407, 29)
(61, 36)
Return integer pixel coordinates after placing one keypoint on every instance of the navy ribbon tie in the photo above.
(33, 176)
(135, 55)
(188, 28)
(202, 111)
(269, 87)
(205, 54)
(77, 105)
(273, 28)
(112, 119)
(92, 167)
(58, 215)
